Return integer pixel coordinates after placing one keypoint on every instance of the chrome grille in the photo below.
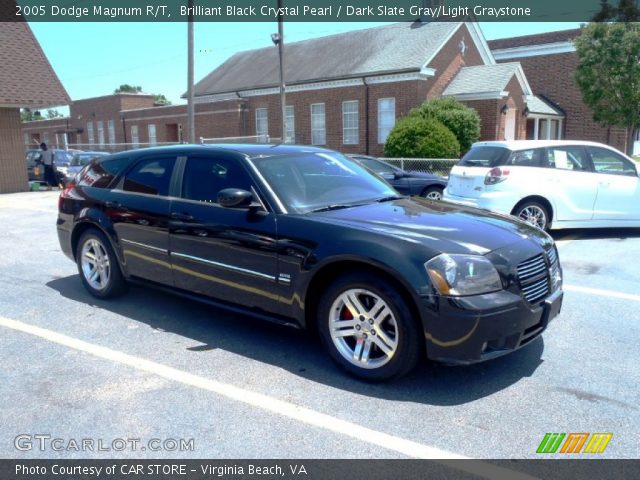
(533, 278)
(554, 268)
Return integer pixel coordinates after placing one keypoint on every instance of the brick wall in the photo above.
(552, 76)
(13, 167)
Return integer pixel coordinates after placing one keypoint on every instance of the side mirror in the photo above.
(398, 175)
(235, 198)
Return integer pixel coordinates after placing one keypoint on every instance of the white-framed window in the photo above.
(386, 117)
(350, 122)
(290, 136)
(45, 138)
(262, 124)
(100, 128)
(318, 124)
(90, 136)
(135, 136)
(151, 129)
(112, 132)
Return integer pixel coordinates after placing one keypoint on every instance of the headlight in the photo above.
(458, 275)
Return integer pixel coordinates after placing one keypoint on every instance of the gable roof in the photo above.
(486, 79)
(535, 39)
(538, 106)
(402, 47)
(26, 79)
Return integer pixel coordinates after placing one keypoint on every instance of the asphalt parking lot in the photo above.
(153, 366)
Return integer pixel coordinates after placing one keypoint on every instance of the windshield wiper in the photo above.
(328, 208)
(390, 198)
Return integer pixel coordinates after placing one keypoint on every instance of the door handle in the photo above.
(185, 217)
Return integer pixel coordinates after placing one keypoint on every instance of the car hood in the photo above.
(441, 226)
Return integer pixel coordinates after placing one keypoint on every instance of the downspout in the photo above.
(366, 115)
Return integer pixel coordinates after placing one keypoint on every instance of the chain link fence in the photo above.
(437, 166)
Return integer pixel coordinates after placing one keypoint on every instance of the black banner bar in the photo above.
(299, 10)
(317, 469)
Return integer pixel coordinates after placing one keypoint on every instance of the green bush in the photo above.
(463, 121)
(417, 137)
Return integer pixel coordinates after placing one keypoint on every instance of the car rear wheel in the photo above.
(432, 193)
(533, 213)
(98, 265)
(368, 328)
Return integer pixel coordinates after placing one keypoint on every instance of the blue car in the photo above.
(421, 184)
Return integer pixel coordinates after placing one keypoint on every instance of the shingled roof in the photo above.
(403, 47)
(535, 39)
(486, 79)
(26, 77)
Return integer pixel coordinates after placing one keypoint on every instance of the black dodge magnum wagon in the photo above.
(306, 237)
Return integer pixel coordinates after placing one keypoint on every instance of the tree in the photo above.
(159, 99)
(28, 115)
(464, 122)
(626, 11)
(53, 113)
(126, 88)
(418, 137)
(608, 72)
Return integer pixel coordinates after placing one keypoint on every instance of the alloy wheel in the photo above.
(534, 215)
(363, 328)
(96, 267)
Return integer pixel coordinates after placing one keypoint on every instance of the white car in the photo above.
(553, 184)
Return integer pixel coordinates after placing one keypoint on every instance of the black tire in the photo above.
(109, 281)
(397, 328)
(534, 213)
(432, 192)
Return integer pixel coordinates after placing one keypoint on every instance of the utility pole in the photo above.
(278, 39)
(191, 127)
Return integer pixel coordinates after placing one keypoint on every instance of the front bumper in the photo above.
(474, 329)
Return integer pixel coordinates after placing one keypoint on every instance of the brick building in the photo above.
(26, 80)
(346, 91)
(549, 61)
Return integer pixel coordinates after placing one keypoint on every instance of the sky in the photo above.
(93, 59)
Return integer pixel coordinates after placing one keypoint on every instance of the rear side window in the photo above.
(151, 176)
(485, 157)
(606, 161)
(526, 158)
(572, 157)
(100, 174)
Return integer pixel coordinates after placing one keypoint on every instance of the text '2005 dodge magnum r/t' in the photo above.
(306, 237)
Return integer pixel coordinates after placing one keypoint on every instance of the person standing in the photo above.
(47, 160)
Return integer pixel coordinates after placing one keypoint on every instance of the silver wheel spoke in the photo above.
(357, 351)
(386, 345)
(353, 304)
(344, 333)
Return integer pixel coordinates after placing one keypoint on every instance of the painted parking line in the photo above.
(602, 293)
(295, 412)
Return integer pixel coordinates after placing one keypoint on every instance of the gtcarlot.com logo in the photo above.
(574, 443)
(44, 442)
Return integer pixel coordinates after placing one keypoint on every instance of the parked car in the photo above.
(62, 159)
(550, 184)
(306, 237)
(79, 160)
(408, 183)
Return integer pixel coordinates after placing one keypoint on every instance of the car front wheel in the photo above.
(533, 213)
(432, 193)
(98, 265)
(368, 328)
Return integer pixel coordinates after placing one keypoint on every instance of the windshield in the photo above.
(485, 157)
(312, 181)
